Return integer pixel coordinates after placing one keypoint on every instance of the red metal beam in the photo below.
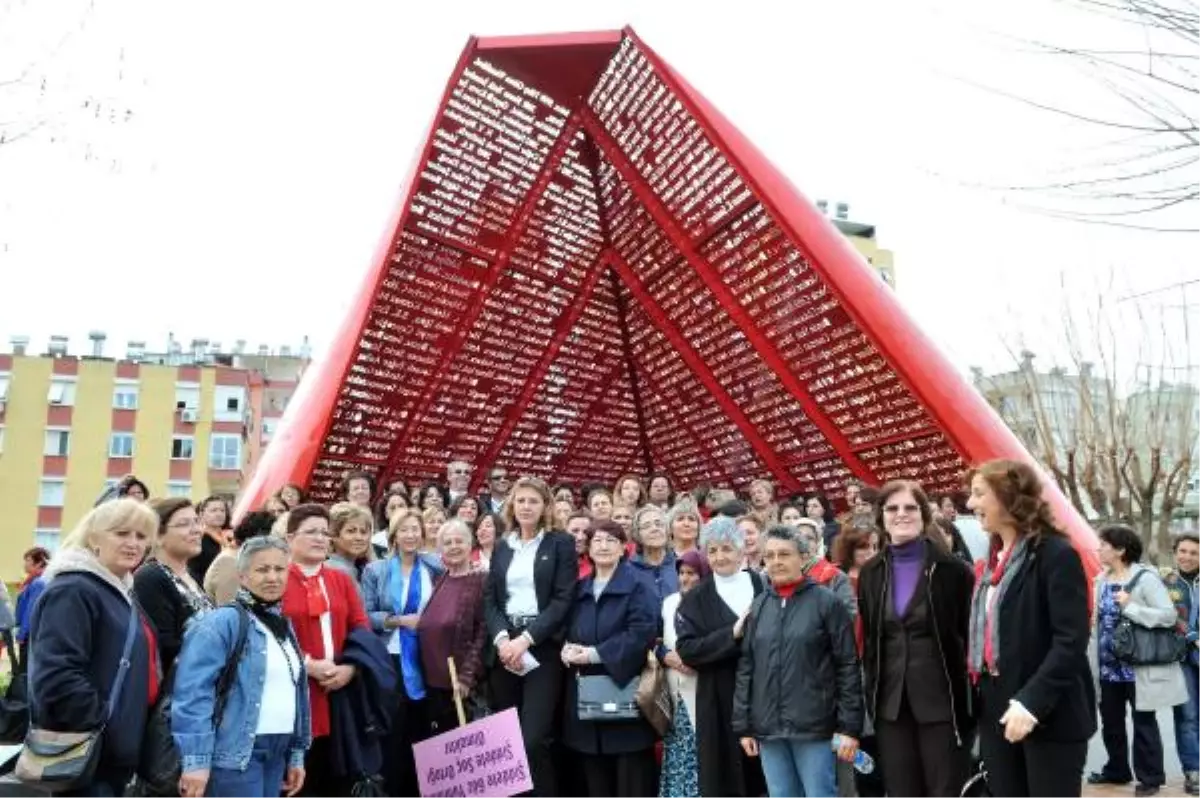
(520, 222)
(563, 329)
(701, 371)
(623, 327)
(457, 246)
(762, 346)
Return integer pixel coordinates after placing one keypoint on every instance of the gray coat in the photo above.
(1156, 686)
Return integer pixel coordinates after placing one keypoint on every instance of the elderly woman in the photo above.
(350, 539)
(452, 626)
(654, 556)
(1129, 589)
(709, 625)
(818, 569)
(240, 713)
(799, 692)
(163, 586)
(762, 502)
(915, 602)
(683, 525)
(600, 504)
(680, 766)
(613, 625)
(90, 643)
(357, 488)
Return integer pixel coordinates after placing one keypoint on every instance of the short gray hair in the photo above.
(792, 534)
(684, 507)
(457, 525)
(258, 544)
(722, 529)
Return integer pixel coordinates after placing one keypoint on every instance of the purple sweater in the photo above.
(907, 561)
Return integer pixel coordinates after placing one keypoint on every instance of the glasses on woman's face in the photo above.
(895, 509)
(605, 540)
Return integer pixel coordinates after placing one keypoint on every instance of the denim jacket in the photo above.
(376, 596)
(207, 646)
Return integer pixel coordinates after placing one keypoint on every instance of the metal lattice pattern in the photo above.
(583, 287)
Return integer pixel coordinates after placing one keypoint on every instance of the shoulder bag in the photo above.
(654, 695)
(1134, 644)
(64, 761)
(600, 698)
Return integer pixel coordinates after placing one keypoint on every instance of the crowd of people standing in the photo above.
(307, 648)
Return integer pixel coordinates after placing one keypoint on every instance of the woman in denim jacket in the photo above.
(256, 746)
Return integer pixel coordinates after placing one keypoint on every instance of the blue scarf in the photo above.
(407, 602)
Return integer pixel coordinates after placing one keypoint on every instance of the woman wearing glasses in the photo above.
(654, 556)
(914, 600)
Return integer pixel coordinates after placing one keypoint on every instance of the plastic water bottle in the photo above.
(863, 762)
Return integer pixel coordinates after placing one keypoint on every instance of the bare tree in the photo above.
(1119, 438)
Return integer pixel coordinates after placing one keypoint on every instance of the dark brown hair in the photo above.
(928, 528)
(228, 511)
(349, 477)
(299, 515)
(610, 528)
(850, 540)
(166, 507)
(38, 554)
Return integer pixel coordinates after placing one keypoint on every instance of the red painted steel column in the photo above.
(699, 368)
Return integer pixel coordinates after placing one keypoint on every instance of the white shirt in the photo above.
(277, 708)
(681, 685)
(736, 591)
(393, 645)
(522, 592)
(326, 618)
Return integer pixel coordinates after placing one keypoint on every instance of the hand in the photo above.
(338, 678)
(193, 783)
(673, 661)
(318, 669)
(740, 626)
(1017, 723)
(408, 621)
(1122, 597)
(574, 654)
(750, 746)
(460, 691)
(293, 781)
(512, 652)
(847, 749)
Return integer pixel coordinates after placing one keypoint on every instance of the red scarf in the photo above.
(998, 565)
(152, 683)
(787, 591)
(318, 602)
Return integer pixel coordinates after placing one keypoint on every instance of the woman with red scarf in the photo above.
(323, 605)
(36, 560)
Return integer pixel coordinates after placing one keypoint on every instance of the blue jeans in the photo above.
(264, 773)
(798, 767)
(1187, 722)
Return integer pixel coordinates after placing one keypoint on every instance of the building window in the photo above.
(225, 454)
(125, 397)
(58, 442)
(47, 539)
(179, 489)
(182, 447)
(187, 397)
(62, 392)
(120, 444)
(229, 402)
(3, 389)
(52, 493)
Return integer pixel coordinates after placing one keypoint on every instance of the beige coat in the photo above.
(1156, 686)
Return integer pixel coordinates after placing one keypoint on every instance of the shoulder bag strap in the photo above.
(1133, 582)
(118, 685)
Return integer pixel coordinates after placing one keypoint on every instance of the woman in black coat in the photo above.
(1029, 639)
(709, 623)
(613, 627)
(914, 601)
(526, 602)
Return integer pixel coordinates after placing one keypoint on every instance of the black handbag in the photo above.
(14, 705)
(1134, 644)
(65, 761)
(599, 698)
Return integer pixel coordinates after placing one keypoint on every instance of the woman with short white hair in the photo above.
(709, 624)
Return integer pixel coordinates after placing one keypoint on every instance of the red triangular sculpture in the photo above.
(592, 272)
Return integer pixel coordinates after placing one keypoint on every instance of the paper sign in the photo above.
(486, 757)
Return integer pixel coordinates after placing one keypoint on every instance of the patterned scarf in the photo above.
(984, 640)
(268, 612)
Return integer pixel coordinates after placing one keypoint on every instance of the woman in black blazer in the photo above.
(529, 594)
(1028, 640)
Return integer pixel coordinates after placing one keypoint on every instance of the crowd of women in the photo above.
(653, 643)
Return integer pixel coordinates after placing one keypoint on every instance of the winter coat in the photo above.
(799, 676)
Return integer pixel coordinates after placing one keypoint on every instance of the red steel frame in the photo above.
(566, 67)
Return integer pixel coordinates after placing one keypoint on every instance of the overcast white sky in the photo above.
(246, 154)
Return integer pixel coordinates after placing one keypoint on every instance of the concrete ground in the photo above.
(1097, 757)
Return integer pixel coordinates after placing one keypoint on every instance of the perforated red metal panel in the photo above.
(592, 272)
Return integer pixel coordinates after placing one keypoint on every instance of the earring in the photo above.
(95, 551)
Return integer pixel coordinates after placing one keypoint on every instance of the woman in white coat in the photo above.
(1128, 589)
(680, 768)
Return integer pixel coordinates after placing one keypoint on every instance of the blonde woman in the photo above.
(350, 539)
(84, 628)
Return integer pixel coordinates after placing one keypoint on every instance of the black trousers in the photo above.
(623, 775)
(410, 725)
(920, 758)
(1031, 767)
(318, 771)
(1147, 741)
(538, 700)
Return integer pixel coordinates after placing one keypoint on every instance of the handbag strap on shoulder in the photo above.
(119, 679)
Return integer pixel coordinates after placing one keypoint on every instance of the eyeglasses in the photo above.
(893, 509)
(499, 477)
(657, 523)
(460, 471)
(606, 540)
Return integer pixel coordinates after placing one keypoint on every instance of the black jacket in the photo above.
(360, 714)
(166, 608)
(948, 584)
(1044, 633)
(77, 633)
(798, 675)
(555, 573)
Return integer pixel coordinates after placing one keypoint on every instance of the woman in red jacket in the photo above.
(323, 605)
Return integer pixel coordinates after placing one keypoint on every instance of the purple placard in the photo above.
(486, 757)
